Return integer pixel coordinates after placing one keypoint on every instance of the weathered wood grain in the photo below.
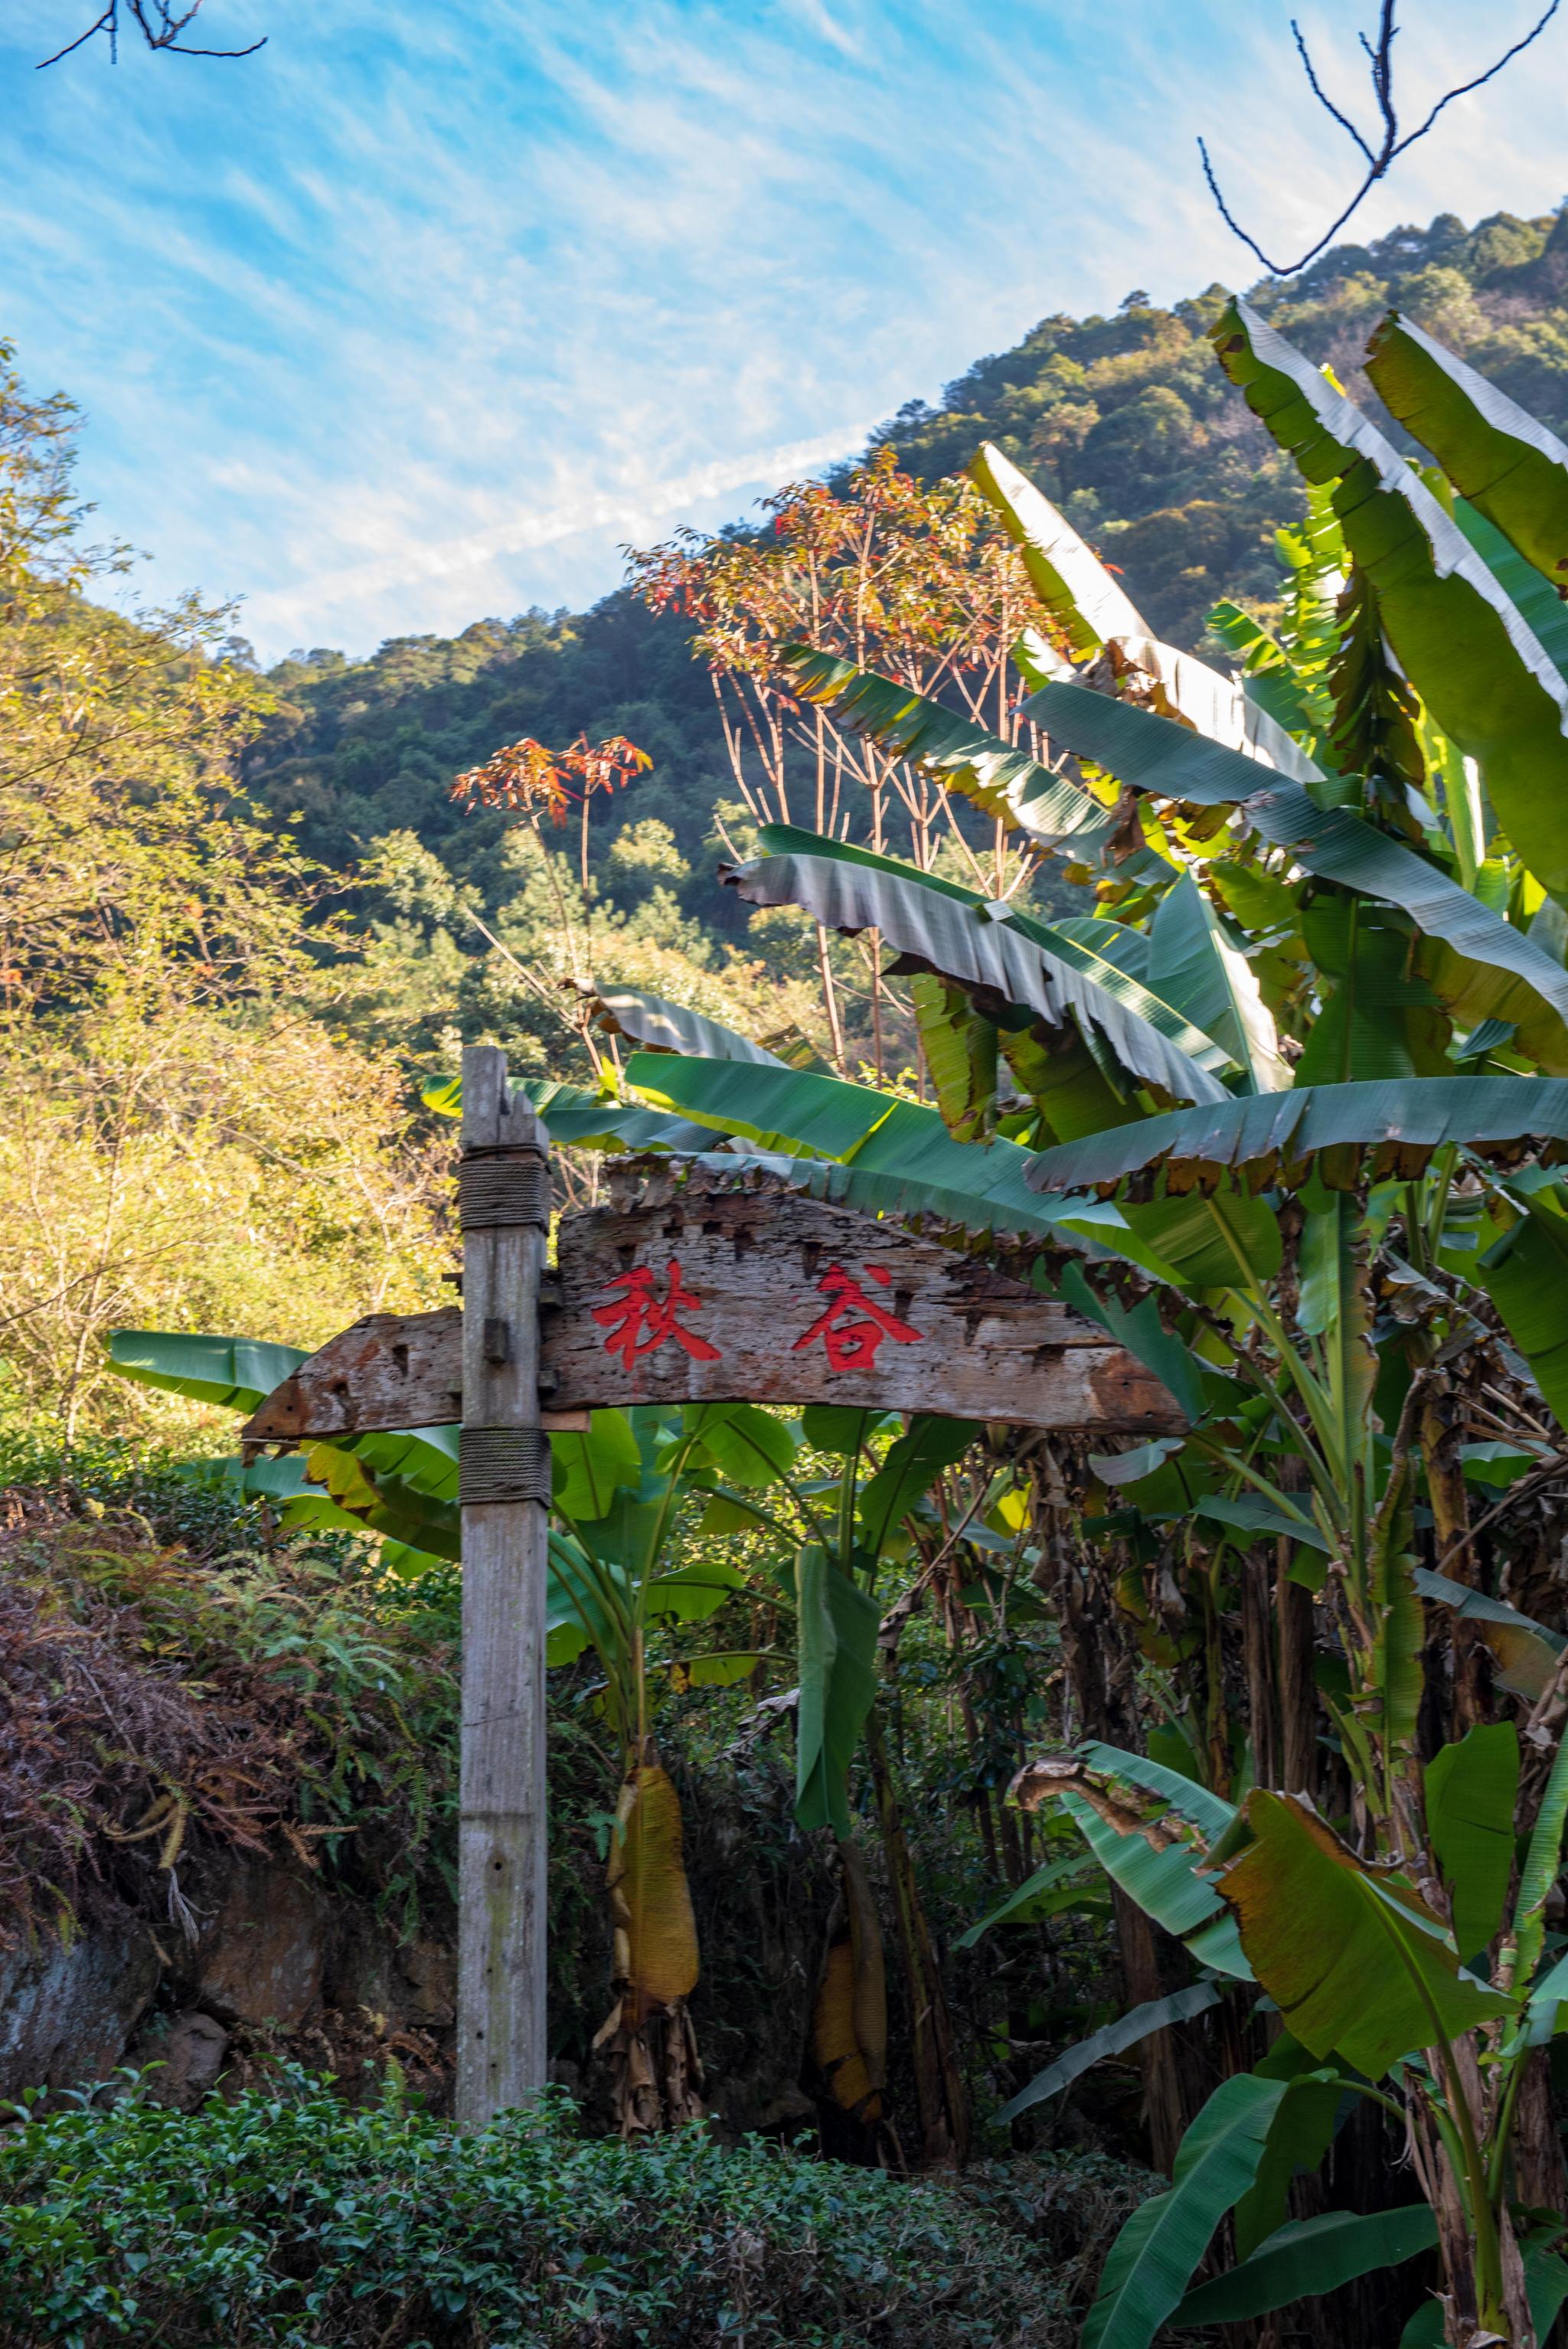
(755, 1263)
(502, 2052)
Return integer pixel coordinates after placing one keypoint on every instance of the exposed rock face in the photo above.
(67, 2012)
(187, 2053)
(262, 1957)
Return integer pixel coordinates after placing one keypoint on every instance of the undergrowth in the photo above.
(287, 2220)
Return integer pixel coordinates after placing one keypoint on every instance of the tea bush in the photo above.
(288, 2220)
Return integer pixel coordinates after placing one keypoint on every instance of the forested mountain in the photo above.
(1125, 420)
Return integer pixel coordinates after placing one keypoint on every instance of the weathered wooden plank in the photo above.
(765, 1295)
(775, 1298)
(503, 1186)
(391, 1370)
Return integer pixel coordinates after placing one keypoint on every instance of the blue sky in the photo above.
(417, 314)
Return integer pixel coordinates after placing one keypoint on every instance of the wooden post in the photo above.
(503, 1189)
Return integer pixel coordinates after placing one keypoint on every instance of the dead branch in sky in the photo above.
(161, 25)
(1390, 146)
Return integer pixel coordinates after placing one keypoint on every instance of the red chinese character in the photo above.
(854, 1324)
(639, 1321)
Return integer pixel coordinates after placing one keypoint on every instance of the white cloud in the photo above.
(356, 321)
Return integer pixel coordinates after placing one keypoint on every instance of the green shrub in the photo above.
(288, 2220)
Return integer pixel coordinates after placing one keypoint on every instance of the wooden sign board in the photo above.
(747, 1295)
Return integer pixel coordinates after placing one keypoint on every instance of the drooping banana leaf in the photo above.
(1354, 1958)
(1195, 967)
(1469, 1789)
(1525, 1651)
(960, 1049)
(1072, 584)
(1525, 1275)
(990, 949)
(1308, 2257)
(1407, 1119)
(235, 1373)
(1165, 1882)
(1137, 2022)
(1495, 452)
(661, 1027)
(837, 1625)
(1001, 780)
(1028, 1901)
(1084, 600)
(593, 1120)
(1152, 2260)
(1152, 754)
(1469, 653)
(1530, 594)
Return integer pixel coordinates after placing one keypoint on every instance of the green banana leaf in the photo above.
(1195, 967)
(740, 1441)
(999, 778)
(588, 1469)
(1355, 1963)
(1470, 1789)
(992, 948)
(1300, 2134)
(235, 1373)
(1476, 663)
(1206, 1810)
(959, 1045)
(1495, 452)
(1072, 584)
(1137, 2024)
(1152, 2260)
(1308, 2257)
(1523, 1274)
(837, 1626)
(573, 1115)
(1414, 1114)
(1532, 595)
(1167, 1885)
(1023, 1905)
(913, 1463)
(662, 1026)
(1153, 754)
(1541, 1865)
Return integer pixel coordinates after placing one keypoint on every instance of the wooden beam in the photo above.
(714, 1295)
(504, 1490)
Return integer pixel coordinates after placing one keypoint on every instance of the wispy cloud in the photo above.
(356, 321)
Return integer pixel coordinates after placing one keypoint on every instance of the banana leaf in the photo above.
(1072, 584)
(1353, 1958)
(592, 1121)
(1137, 2022)
(959, 1045)
(837, 1625)
(990, 948)
(1151, 753)
(927, 1446)
(1495, 452)
(1472, 656)
(1001, 779)
(1523, 1275)
(1166, 1885)
(661, 1027)
(1154, 2258)
(1525, 1651)
(1023, 1905)
(1413, 1116)
(235, 1373)
(1308, 2257)
(1196, 967)
(589, 1468)
(1470, 1788)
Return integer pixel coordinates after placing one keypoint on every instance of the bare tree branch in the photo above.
(1380, 159)
(161, 23)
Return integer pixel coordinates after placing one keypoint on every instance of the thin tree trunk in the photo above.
(1157, 2053)
(1442, 1427)
(940, 2093)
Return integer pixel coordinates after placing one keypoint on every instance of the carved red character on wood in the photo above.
(640, 1322)
(854, 1325)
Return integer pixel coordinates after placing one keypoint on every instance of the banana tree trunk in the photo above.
(941, 2099)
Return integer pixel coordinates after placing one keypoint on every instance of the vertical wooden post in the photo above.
(504, 1191)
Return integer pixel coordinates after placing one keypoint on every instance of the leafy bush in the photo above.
(290, 2221)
